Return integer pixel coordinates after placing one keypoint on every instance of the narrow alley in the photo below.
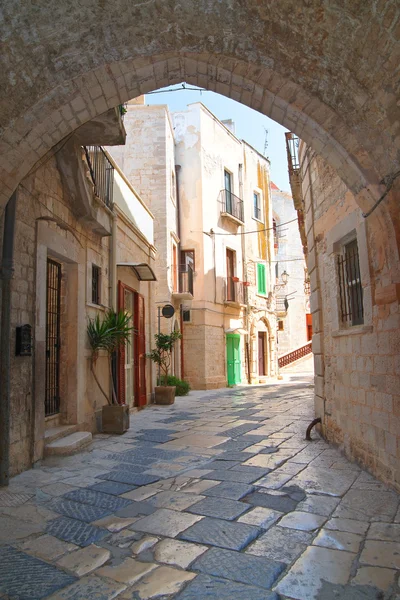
(218, 496)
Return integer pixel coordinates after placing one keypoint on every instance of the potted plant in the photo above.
(161, 356)
(109, 334)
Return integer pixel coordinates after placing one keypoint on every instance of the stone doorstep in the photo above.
(52, 434)
(69, 444)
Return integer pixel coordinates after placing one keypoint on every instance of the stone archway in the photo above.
(306, 66)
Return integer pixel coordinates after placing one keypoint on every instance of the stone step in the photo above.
(54, 433)
(68, 444)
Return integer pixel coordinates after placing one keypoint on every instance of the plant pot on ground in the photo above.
(161, 356)
(109, 335)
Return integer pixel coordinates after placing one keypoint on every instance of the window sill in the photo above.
(98, 306)
(258, 220)
(356, 330)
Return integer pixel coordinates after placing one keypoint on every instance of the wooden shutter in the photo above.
(121, 352)
(140, 352)
(261, 284)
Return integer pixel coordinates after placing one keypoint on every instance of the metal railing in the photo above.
(285, 360)
(234, 290)
(231, 204)
(292, 150)
(185, 279)
(350, 287)
(102, 173)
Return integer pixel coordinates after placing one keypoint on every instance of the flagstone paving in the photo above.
(218, 496)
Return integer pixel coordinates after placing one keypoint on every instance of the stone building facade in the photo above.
(229, 331)
(69, 238)
(356, 324)
(294, 323)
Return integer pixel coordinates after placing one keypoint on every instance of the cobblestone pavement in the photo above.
(218, 496)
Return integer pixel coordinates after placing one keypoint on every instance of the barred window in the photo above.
(96, 272)
(350, 287)
(186, 317)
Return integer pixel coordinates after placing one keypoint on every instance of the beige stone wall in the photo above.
(357, 370)
(41, 201)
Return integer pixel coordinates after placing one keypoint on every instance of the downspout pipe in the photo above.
(178, 226)
(6, 275)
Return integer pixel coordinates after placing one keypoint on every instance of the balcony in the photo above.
(234, 291)
(231, 206)
(185, 283)
(105, 130)
(102, 174)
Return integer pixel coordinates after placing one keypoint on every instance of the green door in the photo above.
(233, 358)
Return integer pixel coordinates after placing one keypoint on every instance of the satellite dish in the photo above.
(168, 311)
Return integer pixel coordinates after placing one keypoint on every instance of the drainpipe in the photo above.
(112, 265)
(178, 226)
(6, 275)
(244, 275)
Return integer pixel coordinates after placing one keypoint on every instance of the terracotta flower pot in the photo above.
(165, 394)
(115, 418)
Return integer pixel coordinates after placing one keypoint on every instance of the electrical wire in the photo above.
(389, 180)
(246, 232)
(189, 89)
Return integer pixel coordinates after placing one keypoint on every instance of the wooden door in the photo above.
(140, 352)
(53, 344)
(309, 327)
(261, 353)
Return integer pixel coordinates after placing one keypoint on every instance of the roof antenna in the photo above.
(266, 142)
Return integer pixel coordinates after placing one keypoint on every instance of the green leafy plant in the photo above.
(108, 334)
(161, 354)
(182, 386)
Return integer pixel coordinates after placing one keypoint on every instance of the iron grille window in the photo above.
(256, 205)
(350, 288)
(96, 272)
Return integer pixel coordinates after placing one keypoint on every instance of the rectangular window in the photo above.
(261, 280)
(186, 315)
(350, 288)
(281, 326)
(256, 206)
(228, 192)
(96, 276)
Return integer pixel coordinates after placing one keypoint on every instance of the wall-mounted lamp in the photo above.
(285, 277)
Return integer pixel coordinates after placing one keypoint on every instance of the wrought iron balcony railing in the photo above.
(231, 205)
(185, 279)
(102, 173)
(234, 290)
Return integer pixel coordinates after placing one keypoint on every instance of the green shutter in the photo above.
(261, 284)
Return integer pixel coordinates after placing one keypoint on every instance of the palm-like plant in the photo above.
(161, 354)
(108, 334)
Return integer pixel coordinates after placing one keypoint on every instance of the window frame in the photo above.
(351, 306)
(257, 194)
(96, 287)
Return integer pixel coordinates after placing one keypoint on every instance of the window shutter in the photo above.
(261, 286)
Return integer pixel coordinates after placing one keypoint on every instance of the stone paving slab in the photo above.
(236, 566)
(229, 489)
(77, 510)
(113, 487)
(205, 587)
(126, 477)
(213, 507)
(165, 522)
(76, 532)
(224, 534)
(90, 587)
(28, 578)
(96, 498)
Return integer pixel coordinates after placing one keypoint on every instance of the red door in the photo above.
(309, 327)
(261, 354)
(140, 352)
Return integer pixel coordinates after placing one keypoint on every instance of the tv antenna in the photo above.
(266, 141)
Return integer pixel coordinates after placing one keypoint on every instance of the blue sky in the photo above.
(250, 125)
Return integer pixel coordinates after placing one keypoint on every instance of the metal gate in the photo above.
(53, 306)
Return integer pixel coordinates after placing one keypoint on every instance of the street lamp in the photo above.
(285, 277)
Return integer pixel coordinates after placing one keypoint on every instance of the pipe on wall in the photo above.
(6, 275)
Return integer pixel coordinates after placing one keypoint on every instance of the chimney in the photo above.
(229, 124)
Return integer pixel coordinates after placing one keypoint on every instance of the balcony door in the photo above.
(230, 274)
(228, 191)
